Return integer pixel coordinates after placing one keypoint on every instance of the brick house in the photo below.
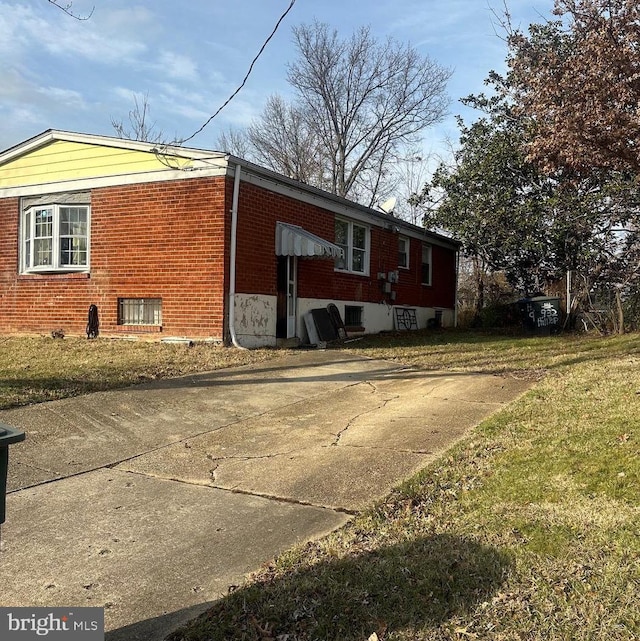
(178, 242)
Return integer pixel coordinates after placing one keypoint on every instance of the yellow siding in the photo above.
(62, 160)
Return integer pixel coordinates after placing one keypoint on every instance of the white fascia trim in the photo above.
(135, 145)
(53, 135)
(162, 175)
(352, 213)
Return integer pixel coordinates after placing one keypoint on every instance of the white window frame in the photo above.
(426, 249)
(28, 237)
(407, 247)
(349, 249)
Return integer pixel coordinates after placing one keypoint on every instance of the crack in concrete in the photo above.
(217, 461)
(338, 435)
(385, 401)
(290, 501)
(470, 402)
(237, 490)
(15, 459)
(247, 457)
(384, 449)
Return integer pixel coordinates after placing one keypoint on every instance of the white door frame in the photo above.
(292, 295)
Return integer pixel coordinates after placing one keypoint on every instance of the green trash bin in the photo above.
(8, 436)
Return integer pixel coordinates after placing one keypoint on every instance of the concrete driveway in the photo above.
(153, 501)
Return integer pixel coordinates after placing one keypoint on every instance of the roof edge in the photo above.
(176, 151)
(53, 135)
(387, 219)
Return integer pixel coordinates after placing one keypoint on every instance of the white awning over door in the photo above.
(292, 240)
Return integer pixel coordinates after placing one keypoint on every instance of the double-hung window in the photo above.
(426, 265)
(55, 238)
(403, 252)
(353, 238)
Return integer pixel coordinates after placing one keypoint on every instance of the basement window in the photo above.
(353, 316)
(140, 311)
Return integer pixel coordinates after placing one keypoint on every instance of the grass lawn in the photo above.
(529, 529)
(39, 369)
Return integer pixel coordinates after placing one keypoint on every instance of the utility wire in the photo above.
(237, 91)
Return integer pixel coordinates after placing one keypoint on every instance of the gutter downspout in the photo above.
(232, 258)
(457, 279)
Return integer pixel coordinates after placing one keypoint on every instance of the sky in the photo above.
(187, 58)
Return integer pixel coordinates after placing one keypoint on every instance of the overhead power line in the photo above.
(244, 81)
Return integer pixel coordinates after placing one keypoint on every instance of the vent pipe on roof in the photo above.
(232, 258)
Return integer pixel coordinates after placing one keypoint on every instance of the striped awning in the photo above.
(292, 240)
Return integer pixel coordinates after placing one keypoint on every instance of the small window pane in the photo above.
(44, 223)
(73, 221)
(42, 250)
(342, 240)
(342, 232)
(403, 252)
(426, 265)
(358, 260)
(26, 234)
(359, 237)
(73, 251)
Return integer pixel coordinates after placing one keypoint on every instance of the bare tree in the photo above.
(285, 140)
(280, 139)
(412, 173)
(234, 141)
(139, 127)
(68, 9)
(360, 107)
(366, 100)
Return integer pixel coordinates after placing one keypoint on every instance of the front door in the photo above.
(287, 297)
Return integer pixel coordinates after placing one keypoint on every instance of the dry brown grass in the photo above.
(527, 530)
(39, 369)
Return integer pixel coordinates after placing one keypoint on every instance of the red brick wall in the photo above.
(259, 211)
(169, 240)
(441, 292)
(156, 240)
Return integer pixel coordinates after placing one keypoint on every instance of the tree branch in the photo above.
(68, 9)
